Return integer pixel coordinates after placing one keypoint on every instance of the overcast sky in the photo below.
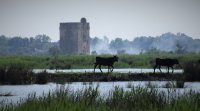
(112, 18)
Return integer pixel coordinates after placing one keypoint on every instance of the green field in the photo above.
(87, 61)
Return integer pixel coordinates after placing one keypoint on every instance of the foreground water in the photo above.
(128, 70)
(21, 92)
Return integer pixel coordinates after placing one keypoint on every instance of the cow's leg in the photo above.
(168, 69)
(112, 68)
(172, 70)
(95, 65)
(154, 68)
(159, 68)
(100, 68)
(108, 68)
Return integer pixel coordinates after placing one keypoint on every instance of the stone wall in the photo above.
(74, 37)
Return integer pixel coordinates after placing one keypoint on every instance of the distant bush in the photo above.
(59, 64)
(192, 71)
(172, 84)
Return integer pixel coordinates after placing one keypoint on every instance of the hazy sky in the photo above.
(112, 18)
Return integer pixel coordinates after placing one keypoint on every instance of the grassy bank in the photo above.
(137, 99)
(20, 74)
(87, 61)
(90, 77)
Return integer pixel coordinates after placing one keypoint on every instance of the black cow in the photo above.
(166, 62)
(109, 61)
(199, 61)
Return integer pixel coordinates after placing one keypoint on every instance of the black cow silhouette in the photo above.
(199, 61)
(109, 61)
(166, 62)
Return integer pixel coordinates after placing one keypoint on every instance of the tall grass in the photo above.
(89, 99)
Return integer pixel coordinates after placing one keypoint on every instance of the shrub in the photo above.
(170, 84)
(59, 64)
(2, 74)
(16, 74)
(192, 71)
(42, 77)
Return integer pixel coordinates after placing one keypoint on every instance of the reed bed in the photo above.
(118, 99)
(15, 74)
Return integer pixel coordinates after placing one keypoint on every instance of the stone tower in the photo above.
(74, 37)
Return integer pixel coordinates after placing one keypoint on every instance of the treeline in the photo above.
(41, 45)
(38, 45)
(168, 42)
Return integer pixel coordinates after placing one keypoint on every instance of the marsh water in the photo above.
(21, 92)
(127, 70)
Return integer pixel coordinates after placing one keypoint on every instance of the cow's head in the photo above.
(115, 58)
